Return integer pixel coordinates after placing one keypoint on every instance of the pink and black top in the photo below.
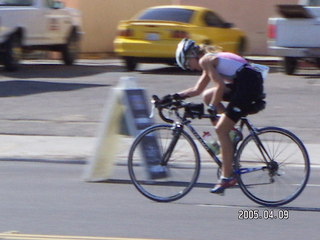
(229, 63)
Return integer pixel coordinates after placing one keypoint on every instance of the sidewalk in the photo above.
(46, 148)
(75, 150)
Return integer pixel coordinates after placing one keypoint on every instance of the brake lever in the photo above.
(152, 110)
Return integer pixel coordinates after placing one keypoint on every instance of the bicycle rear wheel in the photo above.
(164, 163)
(285, 174)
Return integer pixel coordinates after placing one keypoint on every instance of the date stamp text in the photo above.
(263, 214)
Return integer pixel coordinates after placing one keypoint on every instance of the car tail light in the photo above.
(272, 31)
(179, 34)
(126, 33)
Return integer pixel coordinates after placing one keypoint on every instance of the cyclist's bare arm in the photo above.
(198, 88)
(208, 64)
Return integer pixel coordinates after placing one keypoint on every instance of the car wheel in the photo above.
(70, 50)
(131, 63)
(290, 65)
(13, 53)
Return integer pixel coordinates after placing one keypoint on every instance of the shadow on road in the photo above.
(308, 75)
(16, 88)
(168, 71)
(299, 209)
(209, 185)
(45, 70)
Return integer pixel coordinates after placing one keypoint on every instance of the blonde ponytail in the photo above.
(210, 48)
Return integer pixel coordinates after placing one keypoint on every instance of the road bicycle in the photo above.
(271, 164)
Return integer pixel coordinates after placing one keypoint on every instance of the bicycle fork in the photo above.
(177, 130)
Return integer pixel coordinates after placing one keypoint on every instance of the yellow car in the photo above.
(153, 35)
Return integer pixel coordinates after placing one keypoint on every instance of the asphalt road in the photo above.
(46, 199)
(51, 199)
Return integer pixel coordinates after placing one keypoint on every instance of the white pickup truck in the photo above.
(296, 35)
(37, 25)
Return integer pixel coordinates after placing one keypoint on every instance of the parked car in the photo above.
(153, 34)
(295, 35)
(27, 25)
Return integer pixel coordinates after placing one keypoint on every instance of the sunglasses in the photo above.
(187, 62)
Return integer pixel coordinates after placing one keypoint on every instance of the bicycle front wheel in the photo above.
(164, 163)
(274, 168)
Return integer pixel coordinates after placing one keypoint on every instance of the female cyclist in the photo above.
(234, 81)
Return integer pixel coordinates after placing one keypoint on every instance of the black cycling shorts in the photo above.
(246, 89)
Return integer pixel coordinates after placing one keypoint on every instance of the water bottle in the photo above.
(235, 135)
(211, 143)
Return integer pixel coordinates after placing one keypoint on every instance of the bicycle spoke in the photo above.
(280, 180)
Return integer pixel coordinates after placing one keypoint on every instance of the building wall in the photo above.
(100, 18)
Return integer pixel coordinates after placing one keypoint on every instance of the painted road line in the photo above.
(18, 236)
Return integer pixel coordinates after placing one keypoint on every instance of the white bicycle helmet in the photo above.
(186, 48)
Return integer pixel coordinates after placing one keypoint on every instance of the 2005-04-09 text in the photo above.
(265, 214)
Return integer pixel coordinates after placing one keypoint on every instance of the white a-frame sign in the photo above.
(129, 102)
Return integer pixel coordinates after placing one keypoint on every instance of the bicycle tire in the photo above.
(284, 178)
(174, 179)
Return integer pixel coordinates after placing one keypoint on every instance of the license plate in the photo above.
(152, 36)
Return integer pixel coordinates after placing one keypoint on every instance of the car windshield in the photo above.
(16, 2)
(167, 14)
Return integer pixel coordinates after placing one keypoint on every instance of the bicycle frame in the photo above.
(179, 126)
(254, 132)
(203, 143)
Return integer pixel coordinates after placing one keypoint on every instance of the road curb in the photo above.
(78, 150)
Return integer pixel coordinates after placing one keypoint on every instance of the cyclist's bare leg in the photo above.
(223, 128)
(207, 96)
